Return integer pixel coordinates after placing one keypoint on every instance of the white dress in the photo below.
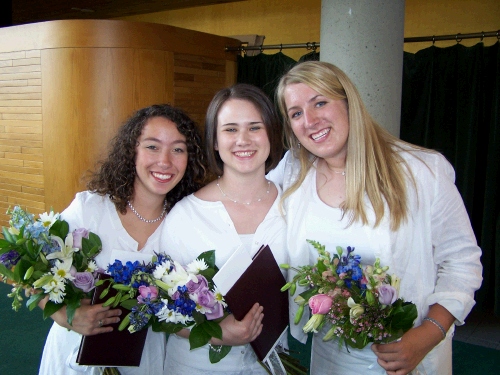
(434, 252)
(98, 214)
(192, 227)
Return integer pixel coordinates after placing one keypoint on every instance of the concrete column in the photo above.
(365, 39)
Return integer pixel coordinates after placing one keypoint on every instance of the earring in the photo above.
(298, 145)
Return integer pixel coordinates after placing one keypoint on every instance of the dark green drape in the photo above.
(451, 103)
(264, 71)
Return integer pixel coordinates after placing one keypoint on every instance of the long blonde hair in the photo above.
(374, 165)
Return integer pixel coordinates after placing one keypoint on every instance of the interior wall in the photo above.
(281, 21)
(298, 21)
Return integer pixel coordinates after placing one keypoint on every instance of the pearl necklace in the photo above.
(234, 200)
(146, 220)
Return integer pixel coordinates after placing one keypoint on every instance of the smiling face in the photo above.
(320, 124)
(161, 157)
(242, 139)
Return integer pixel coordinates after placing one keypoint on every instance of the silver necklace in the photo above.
(146, 220)
(234, 200)
(342, 173)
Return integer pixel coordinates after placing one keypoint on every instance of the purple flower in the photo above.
(10, 258)
(206, 298)
(78, 234)
(216, 313)
(84, 281)
(193, 287)
(387, 295)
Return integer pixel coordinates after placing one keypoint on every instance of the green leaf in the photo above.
(6, 272)
(198, 317)
(8, 237)
(128, 304)
(217, 352)
(198, 337)
(309, 293)
(404, 317)
(212, 328)
(95, 240)
(4, 244)
(169, 328)
(51, 308)
(32, 302)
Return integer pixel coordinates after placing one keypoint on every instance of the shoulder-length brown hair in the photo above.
(116, 174)
(266, 109)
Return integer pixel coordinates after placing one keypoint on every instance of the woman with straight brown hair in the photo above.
(238, 209)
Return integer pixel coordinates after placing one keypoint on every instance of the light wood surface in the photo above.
(66, 86)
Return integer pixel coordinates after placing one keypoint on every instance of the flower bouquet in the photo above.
(42, 258)
(362, 305)
(169, 297)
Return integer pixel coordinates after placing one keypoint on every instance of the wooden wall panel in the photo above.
(66, 86)
(105, 86)
(21, 162)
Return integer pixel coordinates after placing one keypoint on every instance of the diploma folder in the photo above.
(256, 280)
(111, 349)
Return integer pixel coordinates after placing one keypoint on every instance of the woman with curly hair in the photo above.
(154, 161)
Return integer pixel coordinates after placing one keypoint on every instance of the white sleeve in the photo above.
(455, 248)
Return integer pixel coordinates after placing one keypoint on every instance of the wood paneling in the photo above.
(66, 86)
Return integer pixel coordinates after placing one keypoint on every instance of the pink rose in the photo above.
(78, 234)
(320, 303)
(150, 292)
(216, 313)
(84, 281)
(387, 295)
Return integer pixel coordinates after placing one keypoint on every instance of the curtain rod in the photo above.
(458, 37)
(313, 45)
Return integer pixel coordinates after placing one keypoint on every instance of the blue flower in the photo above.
(10, 258)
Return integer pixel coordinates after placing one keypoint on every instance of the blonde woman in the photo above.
(348, 182)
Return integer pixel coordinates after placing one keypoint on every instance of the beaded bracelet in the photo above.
(437, 324)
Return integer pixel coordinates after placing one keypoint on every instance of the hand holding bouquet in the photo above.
(361, 305)
(42, 258)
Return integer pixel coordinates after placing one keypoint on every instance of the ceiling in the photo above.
(28, 11)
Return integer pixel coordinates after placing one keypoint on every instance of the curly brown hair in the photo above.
(116, 174)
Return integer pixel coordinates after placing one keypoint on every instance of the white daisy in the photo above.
(196, 266)
(168, 315)
(91, 266)
(55, 289)
(219, 297)
(62, 270)
(48, 219)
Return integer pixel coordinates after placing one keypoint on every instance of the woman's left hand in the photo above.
(401, 357)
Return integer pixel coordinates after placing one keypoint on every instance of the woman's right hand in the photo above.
(240, 332)
(88, 319)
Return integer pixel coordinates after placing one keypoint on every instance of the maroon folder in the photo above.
(261, 282)
(113, 349)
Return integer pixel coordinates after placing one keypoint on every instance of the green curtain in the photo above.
(264, 71)
(451, 103)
